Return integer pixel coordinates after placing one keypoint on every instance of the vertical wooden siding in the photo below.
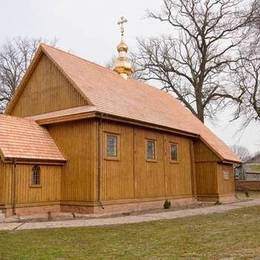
(134, 177)
(7, 183)
(206, 178)
(203, 153)
(50, 188)
(78, 142)
(178, 175)
(226, 186)
(209, 173)
(206, 170)
(49, 191)
(46, 90)
(2, 182)
(117, 175)
(149, 175)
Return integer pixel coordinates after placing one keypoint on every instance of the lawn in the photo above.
(234, 234)
(251, 195)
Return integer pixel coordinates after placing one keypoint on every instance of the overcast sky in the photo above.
(89, 29)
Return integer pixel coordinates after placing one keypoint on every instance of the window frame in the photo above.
(155, 159)
(226, 175)
(170, 152)
(37, 184)
(118, 146)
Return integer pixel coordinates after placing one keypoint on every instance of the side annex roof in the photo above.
(24, 140)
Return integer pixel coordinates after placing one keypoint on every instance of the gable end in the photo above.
(45, 89)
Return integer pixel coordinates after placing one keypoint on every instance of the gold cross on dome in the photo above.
(121, 23)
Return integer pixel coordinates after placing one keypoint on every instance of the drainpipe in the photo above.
(13, 191)
(99, 139)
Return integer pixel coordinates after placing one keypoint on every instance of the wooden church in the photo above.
(78, 137)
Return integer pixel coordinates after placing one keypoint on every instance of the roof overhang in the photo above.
(45, 120)
(33, 161)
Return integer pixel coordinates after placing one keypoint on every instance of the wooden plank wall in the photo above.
(226, 186)
(179, 179)
(206, 179)
(48, 192)
(77, 141)
(203, 153)
(2, 182)
(133, 177)
(206, 170)
(7, 183)
(210, 173)
(117, 180)
(46, 90)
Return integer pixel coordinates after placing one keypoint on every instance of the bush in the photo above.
(167, 204)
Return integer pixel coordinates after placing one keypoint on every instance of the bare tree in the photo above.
(245, 74)
(256, 20)
(193, 62)
(15, 57)
(242, 152)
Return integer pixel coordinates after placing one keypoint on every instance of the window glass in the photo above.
(174, 152)
(150, 149)
(226, 175)
(111, 145)
(36, 175)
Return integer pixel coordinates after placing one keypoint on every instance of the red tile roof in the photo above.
(109, 93)
(26, 140)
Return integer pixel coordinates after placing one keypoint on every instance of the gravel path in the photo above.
(129, 219)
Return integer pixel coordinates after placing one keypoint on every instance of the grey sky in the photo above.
(88, 29)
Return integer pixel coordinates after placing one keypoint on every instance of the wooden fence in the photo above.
(247, 185)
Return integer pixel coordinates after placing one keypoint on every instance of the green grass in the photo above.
(255, 167)
(234, 234)
(251, 195)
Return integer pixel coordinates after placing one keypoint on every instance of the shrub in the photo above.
(167, 204)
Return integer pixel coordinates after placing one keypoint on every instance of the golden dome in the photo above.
(122, 65)
(122, 46)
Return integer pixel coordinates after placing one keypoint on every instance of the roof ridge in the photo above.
(79, 57)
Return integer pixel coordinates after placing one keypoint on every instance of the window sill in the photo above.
(36, 186)
(112, 159)
(175, 162)
(152, 161)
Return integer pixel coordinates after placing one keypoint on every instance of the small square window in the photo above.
(111, 145)
(150, 150)
(226, 175)
(173, 152)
